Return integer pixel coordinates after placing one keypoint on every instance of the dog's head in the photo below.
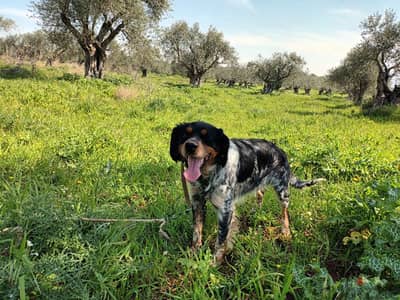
(200, 146)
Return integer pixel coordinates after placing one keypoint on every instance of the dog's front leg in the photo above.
(199, 214)
(223, 201)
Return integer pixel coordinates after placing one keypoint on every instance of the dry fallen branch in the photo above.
(162, 222)
(17, 230)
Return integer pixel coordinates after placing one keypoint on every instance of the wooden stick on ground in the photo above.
(161, 221)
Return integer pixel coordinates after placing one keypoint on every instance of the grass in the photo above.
(70, 148)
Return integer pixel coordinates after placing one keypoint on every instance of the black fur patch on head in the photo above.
(207, 133)
(177, 138)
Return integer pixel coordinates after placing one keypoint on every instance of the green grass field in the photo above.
(73, 148)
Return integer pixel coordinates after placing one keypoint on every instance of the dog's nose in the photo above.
(190, 147)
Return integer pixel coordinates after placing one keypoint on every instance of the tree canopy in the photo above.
(96, 23)
(6, 24)
(196, 52)
(381, 43)
(355, 75)
(273, 71)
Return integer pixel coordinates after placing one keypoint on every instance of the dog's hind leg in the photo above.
(283, 194)
(260, 196)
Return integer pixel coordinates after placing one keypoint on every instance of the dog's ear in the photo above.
(223, 145)
(176, 137)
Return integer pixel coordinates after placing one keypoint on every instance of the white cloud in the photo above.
(321, 51)
(247, 4)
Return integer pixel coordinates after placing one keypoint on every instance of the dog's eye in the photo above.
(203, 132)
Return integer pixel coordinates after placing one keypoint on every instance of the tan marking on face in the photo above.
(189, 130)
(211, 154)
(203, 132)
(181, 150)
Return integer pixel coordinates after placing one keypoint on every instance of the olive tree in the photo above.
(381, 45)
(273, 71)
(355, 75)
(94, 24)
(6, 24)
(196, 52)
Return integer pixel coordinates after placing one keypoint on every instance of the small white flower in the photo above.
(29, 243)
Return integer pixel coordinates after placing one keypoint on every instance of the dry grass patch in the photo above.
(127, 93)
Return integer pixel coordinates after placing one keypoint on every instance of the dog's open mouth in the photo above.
(193, 171)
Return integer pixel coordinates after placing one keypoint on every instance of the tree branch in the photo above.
(112, 35)
(73, 30)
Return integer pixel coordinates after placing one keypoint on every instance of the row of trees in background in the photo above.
(374, 61)
(126, 32)
(186, 49)
(37, 46)
(87, 31)
(194, 53)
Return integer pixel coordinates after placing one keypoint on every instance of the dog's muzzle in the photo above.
(190, 147)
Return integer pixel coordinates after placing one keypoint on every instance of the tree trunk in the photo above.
(49, 61)
(95, 58)
(195, 80)
(384, 95)
(144, 71)
(360, 94)
(267, 88)
(87, 63)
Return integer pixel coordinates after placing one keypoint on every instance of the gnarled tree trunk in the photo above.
(384, 95)
(194, 78)
(95, 57)
(144, 71)
(195, 81)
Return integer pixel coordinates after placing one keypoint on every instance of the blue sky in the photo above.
(322, 32)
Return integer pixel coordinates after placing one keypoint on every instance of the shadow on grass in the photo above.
(389, 113)
(322, 113)
(70, 77)
(177, 85)
(16, 72)
(342, 106)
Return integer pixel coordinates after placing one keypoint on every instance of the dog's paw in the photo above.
(218, 258)
(285, 235)
(196, 246)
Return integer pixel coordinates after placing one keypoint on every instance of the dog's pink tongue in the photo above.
(192, 173)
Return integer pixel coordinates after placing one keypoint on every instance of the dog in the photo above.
(223, 170)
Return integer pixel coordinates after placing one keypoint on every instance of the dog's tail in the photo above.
(299, 184)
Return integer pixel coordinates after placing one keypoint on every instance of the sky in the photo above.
(320, 31)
